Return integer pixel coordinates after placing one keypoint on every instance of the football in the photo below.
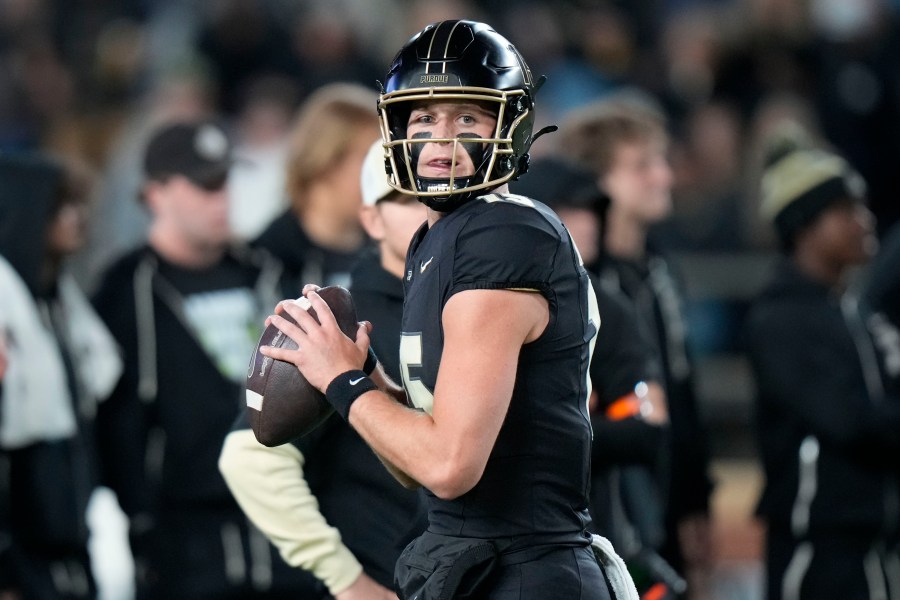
(281, 404)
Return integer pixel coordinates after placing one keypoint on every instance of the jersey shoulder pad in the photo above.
(506, 244)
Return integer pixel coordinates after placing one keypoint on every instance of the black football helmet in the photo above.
(458, 61)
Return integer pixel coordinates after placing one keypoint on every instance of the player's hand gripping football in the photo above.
(323, 351)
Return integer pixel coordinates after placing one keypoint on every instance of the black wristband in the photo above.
(346, 388)
(371, 362)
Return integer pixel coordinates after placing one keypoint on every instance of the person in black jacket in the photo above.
(629, 415)
(829, 433)
(624, 142)
(186, 310)
(60, 361)
(881, 296)
(344, 519)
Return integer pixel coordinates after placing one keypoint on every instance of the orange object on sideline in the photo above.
(628, 405)
(657, 591)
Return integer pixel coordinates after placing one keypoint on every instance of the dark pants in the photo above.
(565, 573)
(208, 556)
(830, 566)
(53, 577)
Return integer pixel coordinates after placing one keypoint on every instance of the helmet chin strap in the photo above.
(476, 152)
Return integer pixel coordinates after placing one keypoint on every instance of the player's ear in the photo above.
(372, 222)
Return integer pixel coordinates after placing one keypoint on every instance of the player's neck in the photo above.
(435, 216)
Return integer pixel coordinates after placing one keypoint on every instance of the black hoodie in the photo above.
(829, 435)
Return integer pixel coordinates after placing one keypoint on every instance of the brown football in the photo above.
(281, 404)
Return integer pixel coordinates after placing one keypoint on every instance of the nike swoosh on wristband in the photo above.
(355, 381)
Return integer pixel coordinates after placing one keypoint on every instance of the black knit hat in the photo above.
(800, 181)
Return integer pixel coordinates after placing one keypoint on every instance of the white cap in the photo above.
(373, 179)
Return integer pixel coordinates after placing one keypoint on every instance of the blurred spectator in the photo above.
(318, 237)
(62, 63)
(59, 361)
(765, 51)
(539, 31)
(882, 292)
(881, 298)
(184, 93)
(857, 91)
(629, 416)
(186, 309)
(623, 141)
(242, 40)
(829, 435)
(350, 552)
(608, 38)
(424, 12)
(256, 184)
(708, 207)
(326, 44)
(37, 89)
(772, 112)
(690, 47)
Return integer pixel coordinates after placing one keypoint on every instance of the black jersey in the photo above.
(536, 478)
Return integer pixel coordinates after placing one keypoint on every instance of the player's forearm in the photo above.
(412, 442)
(391, 389)
(387, 385)
(401, 477)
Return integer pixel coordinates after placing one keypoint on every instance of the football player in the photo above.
(498, 325)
